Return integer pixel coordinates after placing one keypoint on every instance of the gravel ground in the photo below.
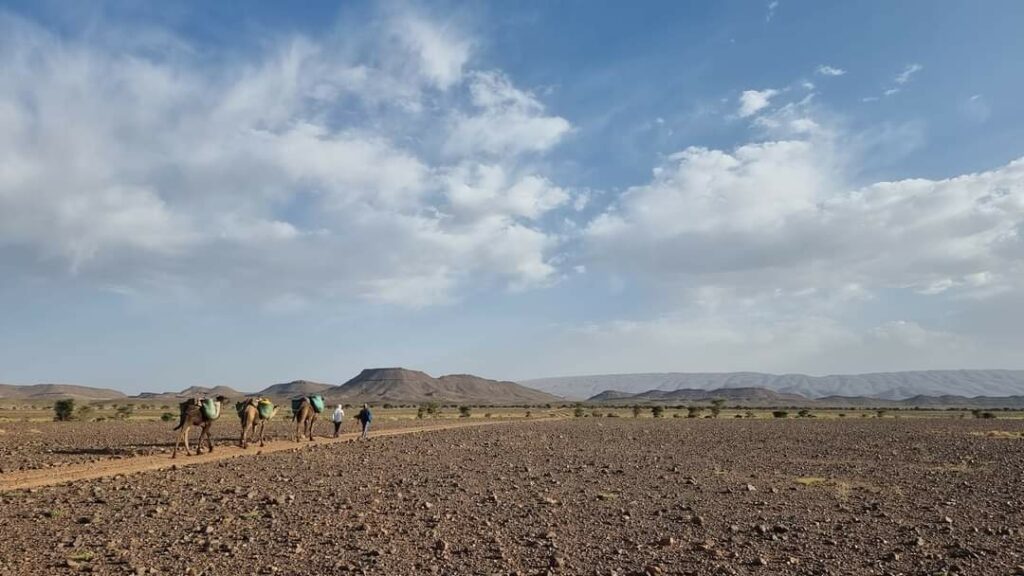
(584, 496)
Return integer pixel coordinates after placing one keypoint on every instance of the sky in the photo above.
(244, 193)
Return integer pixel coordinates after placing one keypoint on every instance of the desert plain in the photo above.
(549, 494)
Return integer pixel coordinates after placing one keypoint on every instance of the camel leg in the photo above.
(312, 421)
(263, 426)
(188, 451)
(209, 437)
(177, 442)
(300, 423)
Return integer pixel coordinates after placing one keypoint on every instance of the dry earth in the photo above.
(584, 496)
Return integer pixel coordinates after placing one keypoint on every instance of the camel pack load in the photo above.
(265, 408)
(263, 405)
(316, 400)
(210, 408)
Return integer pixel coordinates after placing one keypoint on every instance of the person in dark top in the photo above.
(365, 417)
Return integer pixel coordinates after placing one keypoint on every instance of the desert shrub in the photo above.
(165, 407)
(693, 411)
(84, 412)
(636, 411)
(63, 410)
(529, 413)
(780, 414)
(842, 415)
(124, 412)
(578, 412)
(612, 415)
(738, 416)
(487, 415)
(657, 411)
(880, 413)
(677, 415)
(988, 415)
(749, 414)
(804, 413)
(596, 414)
(716, 407)
(167, 416)
(464, 411)
(388, 406)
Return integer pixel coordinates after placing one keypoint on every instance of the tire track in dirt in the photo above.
(27, 479)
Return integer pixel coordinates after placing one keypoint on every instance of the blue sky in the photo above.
(219, 193)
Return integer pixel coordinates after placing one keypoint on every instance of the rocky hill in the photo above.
(193, 392)
(57, 391)
(399, 385)
(885, 385)
(295, 388)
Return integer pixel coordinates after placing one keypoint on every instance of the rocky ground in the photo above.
(581, 496)
(35, 445)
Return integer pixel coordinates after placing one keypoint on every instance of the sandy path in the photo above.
(51, 476)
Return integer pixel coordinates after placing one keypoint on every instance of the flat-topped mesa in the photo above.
(401, 385)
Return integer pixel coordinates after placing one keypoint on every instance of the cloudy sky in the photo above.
(243, 194)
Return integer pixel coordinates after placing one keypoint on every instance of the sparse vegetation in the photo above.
(804, 413)
(716, 407)
(657, 411)
(465, 411)
(693, 411)
(780, 414)
(578, 411)
(124, 412)
(167, 417)
(636, 411)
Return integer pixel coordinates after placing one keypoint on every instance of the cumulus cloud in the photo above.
(753, 101)
(309, 170)
(781, 215)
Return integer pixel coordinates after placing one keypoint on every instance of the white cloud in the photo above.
(509, 121)
(772, 7)
(780, 215)
(825, 70)
(753, 101)
(305, 172)
(904, 76)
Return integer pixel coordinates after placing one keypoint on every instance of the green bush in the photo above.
(578, 412)
(716, 407)
(657, 411)
(693, 411)
(167, 417)
(464, 412)
(63, 410)
(780, 414)
(636, 411)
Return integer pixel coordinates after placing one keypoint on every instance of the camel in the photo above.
(304, 414)
(192, 415)
(250, 415)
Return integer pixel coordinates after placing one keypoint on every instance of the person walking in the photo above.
(365, 417)
(338, 417)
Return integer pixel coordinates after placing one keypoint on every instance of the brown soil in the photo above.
(581, 496)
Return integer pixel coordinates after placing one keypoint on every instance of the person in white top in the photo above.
(338, 417)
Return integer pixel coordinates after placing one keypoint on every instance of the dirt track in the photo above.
(52, 476)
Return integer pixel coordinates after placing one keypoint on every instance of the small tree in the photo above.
(420, 412)
(578, 412)
(63, 410)
(693, 411)
(880, 413)
(657, 411)
(636, 411)
(805, 413)
(464, 411)
(716, 407)
(780, 414)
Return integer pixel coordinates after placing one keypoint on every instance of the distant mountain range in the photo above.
(375, 385)
(936, 389)
(885, 385)
(763, 397)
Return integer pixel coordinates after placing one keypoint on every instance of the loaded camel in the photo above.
(254, 412)
(196, 412)
(304, 413)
